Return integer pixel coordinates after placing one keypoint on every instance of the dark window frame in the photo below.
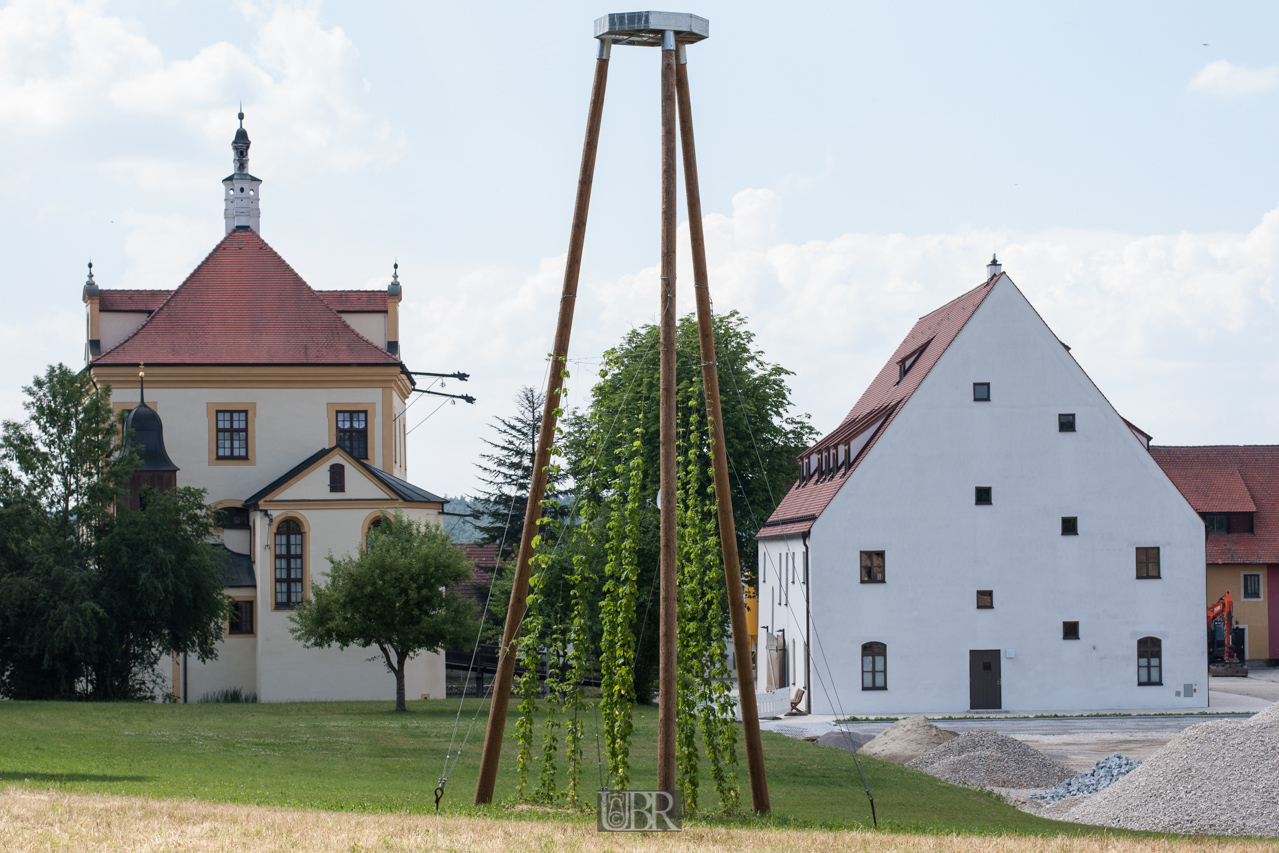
(867, 567)
(289, 564)
(1144, 563)
(987, 492)
(878, 654)
(977, 399)
(1069, 525)
(230, 518)
(353, 435)
(990, 599)
(243, 610)
(1066, 422)
(337, 477)
(1070, 630)
(231, 438)
(1215, 520)
(1150, 649)
(1244, 595)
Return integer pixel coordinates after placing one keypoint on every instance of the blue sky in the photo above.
(859, 163)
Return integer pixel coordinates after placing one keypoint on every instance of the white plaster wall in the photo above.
(912, 497)
(235, 665)
(369, 324)
(315, 485)
(237, 540)
(115, 326)
(291, 424)
(289, 672)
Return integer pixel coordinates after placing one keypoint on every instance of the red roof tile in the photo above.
(1230, 479)
(355, 301)
(132, 300)
(484, 559)
(876, 409)
(245, 305)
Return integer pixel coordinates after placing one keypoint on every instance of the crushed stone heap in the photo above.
(1215, 778)
(982, 759)
(1100, 776)
(906, 740)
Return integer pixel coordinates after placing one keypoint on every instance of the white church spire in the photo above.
(243, 191)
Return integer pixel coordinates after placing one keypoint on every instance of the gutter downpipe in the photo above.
(808, 616)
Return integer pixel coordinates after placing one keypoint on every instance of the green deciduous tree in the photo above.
(92, 594)
(762, 437)
(397, 594)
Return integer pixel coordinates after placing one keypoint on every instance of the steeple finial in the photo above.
(90, 279)
(240, 115)
(395, 276)
(142, 384)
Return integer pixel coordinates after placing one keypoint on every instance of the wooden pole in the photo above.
(667, 680)
(505, 674)
(719, 454)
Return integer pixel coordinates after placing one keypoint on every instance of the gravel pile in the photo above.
(982, 759)
(905, 740)
(1216, 778)
(851, 741)
(1100, 776)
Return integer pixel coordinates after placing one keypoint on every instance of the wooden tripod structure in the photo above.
(672, 32)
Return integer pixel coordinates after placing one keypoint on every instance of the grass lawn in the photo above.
(362, 756)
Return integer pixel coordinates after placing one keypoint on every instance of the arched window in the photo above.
(288, 565)
(1150, 655)
(874, 666)
(337, 478)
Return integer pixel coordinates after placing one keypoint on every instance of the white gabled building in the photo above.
(983, 530)
(285, 404)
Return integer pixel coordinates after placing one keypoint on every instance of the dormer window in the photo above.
(904, 366)
(337, 478)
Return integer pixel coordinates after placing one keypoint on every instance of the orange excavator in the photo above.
(1225, 640)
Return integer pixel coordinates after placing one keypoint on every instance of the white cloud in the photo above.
(1179, 331)
(62, 62)
(164, 249)
(1226, 80)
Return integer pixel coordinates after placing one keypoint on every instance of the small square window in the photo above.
(985, 599)
(1069, 526)
(1148, 563)
(1252, 585)
(981, 392)
(1070, 630)
(1066, 423)
(872, 566)
(983, 496)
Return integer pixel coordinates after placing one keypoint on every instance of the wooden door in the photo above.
(983, 679)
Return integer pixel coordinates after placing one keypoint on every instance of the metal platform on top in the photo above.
(646, 28)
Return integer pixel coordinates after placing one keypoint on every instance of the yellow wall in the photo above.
(1251, 613)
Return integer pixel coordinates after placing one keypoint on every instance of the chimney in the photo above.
(994, 268)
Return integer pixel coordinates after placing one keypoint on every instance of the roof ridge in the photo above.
(317, 295)
(167, 299)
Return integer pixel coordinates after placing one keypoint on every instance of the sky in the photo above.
(859, 164)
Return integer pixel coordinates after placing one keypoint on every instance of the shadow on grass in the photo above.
(21, 776)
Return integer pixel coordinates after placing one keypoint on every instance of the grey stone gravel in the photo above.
(984, 759)
(1217, 778)
(850, 741)
(1100, 776)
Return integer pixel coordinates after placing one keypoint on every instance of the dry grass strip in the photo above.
(35, 820)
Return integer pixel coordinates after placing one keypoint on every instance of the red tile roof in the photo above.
(355, 301)
(484, 558)
(132, 300)
(876, 409)
(1230, 479)
(245, 305)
